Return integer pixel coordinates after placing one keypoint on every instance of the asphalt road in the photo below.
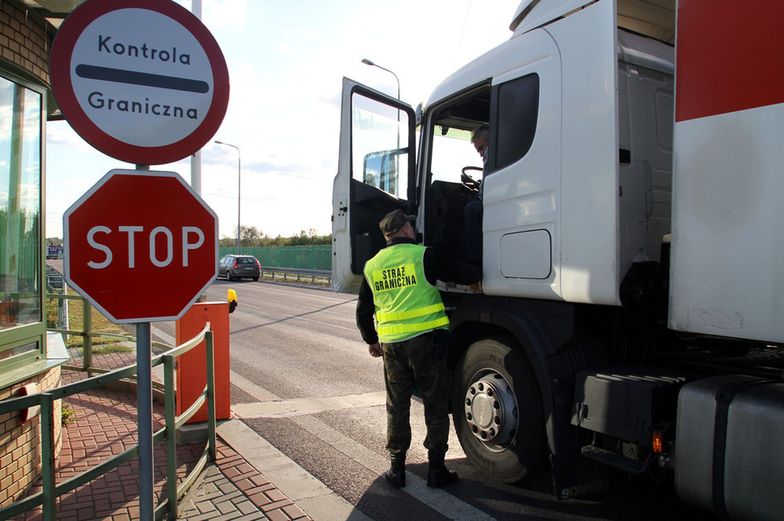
(302, 379)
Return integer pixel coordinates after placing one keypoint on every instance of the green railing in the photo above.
(88, 335)
(51, 491)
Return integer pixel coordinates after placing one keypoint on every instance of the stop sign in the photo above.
(140, 246)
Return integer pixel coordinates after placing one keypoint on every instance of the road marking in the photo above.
(296, 482)
(251, 388)
(304, 406)
(299, 485)
(438, 499)
(163, 335)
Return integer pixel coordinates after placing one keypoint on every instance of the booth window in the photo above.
(21, 295)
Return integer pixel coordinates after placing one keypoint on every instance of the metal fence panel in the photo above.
(315, 257)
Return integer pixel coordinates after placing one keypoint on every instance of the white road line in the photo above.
(300, 486)
(297, 483)
(437, 499)
(306, 406)
(440, 500)
(251, 388)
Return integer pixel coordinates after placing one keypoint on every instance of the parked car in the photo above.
(239, 267)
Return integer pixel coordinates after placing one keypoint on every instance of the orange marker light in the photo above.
(657, 442)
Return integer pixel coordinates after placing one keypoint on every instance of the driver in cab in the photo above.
(473, 210)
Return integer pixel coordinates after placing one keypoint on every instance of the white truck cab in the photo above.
(631, 252)
(559, 99)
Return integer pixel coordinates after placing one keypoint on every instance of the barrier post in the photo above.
(87, 339)
(171, 435)
(211, 396)
(47, 456)
(144, 420)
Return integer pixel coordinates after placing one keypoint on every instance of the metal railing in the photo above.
(51, 491)
(88, 335)
(298, 273)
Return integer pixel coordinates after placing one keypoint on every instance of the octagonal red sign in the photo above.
(140, 246)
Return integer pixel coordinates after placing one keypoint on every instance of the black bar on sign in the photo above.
(93, 72)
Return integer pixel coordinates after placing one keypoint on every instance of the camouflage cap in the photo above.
(394, 221)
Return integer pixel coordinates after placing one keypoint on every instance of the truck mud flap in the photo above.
(578, 478)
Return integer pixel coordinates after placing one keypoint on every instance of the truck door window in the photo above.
(455, 167)
(379, 157)
(451, 148)
(516, 108)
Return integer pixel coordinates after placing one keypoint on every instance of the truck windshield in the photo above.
(452, 150)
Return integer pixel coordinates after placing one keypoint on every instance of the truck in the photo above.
(631, 310)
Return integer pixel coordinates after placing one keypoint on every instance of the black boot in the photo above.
(437, 474)
(396, 475)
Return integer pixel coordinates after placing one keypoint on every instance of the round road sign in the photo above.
(140, 246)
(143, 81)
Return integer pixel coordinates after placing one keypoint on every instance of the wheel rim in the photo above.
(491, 410)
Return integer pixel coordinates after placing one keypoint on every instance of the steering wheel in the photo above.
(467, 180)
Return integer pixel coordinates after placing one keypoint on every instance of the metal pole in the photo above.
(144, 408)
(47, 457)
(211, 440)
(374, 64)
(87, 339)
(171, 435)
(239, 186)
(144, 413)
(239, 193)
(196, 157)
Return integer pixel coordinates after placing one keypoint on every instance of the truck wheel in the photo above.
(498, 411)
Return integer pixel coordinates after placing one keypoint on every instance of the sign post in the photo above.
(145, 82)
(141, 246)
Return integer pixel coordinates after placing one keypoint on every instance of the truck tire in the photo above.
(497, 411)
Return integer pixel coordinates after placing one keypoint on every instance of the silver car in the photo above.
(239, 267)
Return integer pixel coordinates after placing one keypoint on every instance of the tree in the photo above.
(251, 236)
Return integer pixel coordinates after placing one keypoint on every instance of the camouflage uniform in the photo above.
(420, 363)
(399, 290)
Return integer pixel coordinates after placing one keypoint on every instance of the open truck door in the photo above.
(376, 174)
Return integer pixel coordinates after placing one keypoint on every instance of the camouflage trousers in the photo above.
(420, 363)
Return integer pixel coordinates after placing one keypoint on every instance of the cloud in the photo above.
(286, 63)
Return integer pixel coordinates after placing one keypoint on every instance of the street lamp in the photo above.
(367, 61)
(373, 64)
(239, 187)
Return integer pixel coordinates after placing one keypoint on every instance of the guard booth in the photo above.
(29, 357)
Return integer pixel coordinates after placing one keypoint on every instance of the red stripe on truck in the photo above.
(730, 56)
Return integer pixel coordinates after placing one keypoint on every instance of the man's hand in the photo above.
(375, 350)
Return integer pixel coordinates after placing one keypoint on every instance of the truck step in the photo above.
(614, 460)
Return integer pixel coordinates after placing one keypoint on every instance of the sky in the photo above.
(286, 62)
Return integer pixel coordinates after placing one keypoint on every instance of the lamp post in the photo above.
(239, 186)
(374, 64)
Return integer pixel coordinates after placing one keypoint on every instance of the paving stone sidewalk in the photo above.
(105, 425)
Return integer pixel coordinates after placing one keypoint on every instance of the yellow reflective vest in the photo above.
(406, 304)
